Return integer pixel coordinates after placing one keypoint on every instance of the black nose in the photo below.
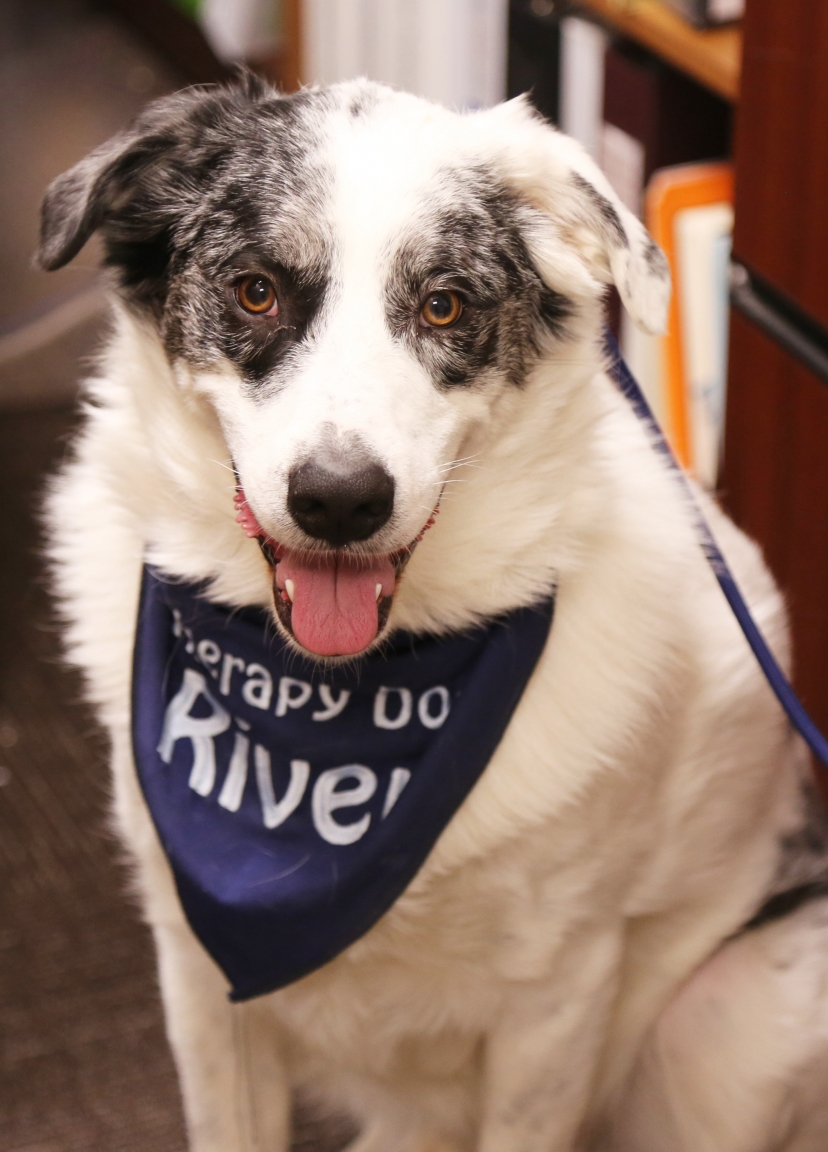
(340, 497)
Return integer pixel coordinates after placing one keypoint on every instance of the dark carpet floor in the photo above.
(84, 1064)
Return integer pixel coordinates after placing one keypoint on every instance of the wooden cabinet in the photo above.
(775, 480)
(775, 486)
(782, 149)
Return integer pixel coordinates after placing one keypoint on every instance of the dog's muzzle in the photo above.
(334, 602)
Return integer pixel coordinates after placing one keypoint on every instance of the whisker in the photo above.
(464, 461)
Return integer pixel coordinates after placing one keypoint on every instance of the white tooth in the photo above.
(289, 588)
(378, 591)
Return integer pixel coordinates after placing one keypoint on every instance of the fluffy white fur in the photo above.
(629, 822)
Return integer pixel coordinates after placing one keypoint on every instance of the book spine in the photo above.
(581, 106)
(450, 51)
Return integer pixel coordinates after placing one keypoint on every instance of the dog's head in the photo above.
(355, 279)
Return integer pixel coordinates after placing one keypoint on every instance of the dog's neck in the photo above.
(515, 517)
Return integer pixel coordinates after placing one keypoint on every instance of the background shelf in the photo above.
(713, 56)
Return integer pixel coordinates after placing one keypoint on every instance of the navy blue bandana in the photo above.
(295, 801)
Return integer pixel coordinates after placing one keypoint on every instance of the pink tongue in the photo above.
(335, 601)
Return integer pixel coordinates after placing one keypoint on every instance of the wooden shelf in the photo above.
(713, 57)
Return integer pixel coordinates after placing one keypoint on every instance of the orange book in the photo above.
(669, 192)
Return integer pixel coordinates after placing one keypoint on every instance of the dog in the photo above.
(356, 379)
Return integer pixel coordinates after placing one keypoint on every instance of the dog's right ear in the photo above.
(77, 203)
(140, 178)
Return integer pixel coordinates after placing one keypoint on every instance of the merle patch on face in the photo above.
(471, 242)
(208, 187)
(257, 181)
(203, 315)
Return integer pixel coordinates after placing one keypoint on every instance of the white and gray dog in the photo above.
(333, 313)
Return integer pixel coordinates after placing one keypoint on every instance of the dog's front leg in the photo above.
(233, 1082)
(541, 1056)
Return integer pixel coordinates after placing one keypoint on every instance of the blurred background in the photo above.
(710, 117)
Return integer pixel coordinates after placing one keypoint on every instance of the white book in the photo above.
(484, 32)
(450, 51)
(623, 160)
(241, 29)
(391, 35)
(347, 31)
(644, 355)
(438, 51)
(703, 237)
(319, 63)
(723, 11)
(581, 91)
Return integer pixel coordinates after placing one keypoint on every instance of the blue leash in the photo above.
(785, 694)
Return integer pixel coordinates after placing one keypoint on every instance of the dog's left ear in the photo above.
(556, 175)
(626, 254)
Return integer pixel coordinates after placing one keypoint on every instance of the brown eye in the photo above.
(256, 294)
(441, 309)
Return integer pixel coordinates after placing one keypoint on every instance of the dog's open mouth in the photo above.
(334, 602)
